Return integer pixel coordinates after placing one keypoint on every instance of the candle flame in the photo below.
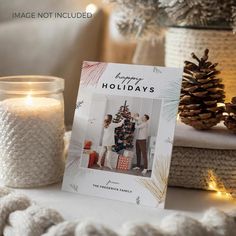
(29, 100)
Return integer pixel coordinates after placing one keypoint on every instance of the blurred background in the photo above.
(57, 47)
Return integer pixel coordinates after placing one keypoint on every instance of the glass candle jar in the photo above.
(31, 130)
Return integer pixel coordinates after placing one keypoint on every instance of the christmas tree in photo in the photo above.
(124, 135)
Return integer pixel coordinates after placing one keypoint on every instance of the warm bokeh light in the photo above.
(29, 100)
(213, 184)
(92, 8)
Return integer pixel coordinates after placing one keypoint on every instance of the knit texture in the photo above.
(181, 42)
(20, 217)
(190, 168)
(31, 144)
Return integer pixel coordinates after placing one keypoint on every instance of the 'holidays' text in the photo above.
(129, 83)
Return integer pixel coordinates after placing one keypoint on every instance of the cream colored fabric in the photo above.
(31, 142)
(20, 217)
(193, 168)
(11, 203)
(51, 47)
(216, 138)
(198, 153)
(32, 221)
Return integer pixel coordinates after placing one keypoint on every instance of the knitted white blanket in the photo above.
(19, 216)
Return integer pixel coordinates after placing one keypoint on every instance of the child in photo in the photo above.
(141, 142)
(108, 139)
(135, 117)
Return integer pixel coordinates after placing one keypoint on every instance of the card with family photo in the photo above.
(123, 131)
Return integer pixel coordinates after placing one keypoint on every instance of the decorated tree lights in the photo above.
(124, 135)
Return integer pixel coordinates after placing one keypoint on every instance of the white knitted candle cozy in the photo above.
(21, 217)
(31, 142)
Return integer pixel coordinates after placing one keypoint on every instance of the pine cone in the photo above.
(230, 119)
(201, 92)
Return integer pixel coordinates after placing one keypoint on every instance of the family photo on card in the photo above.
(122, 134)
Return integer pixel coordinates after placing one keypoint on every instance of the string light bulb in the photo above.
(217, 186)
(92, 8)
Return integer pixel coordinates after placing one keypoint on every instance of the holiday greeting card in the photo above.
(123, 132)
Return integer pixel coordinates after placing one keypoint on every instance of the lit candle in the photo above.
(31, 141)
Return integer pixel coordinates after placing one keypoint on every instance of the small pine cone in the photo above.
(230, 118)
(201, 93)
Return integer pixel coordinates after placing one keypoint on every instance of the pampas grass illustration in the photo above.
(171, 100)
(92, 72)
(157, 184)
(170, 109)
(171, 91)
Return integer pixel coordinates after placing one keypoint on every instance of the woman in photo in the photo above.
(108, 140)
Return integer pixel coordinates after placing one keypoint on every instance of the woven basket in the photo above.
(190, 168)
(181, 42)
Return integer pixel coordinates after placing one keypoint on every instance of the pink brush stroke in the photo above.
(92, 72)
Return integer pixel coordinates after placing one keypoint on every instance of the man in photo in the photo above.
(141, 142)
